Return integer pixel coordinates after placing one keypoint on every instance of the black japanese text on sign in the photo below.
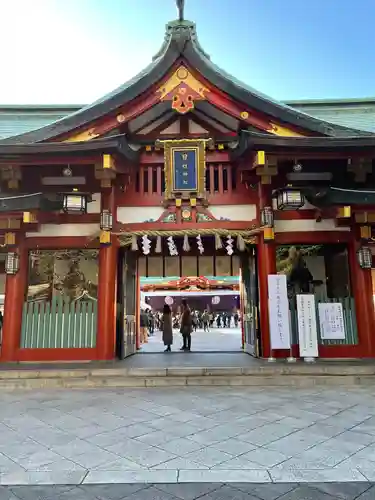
(185, 171)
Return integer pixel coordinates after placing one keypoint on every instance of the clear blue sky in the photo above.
(75, 51)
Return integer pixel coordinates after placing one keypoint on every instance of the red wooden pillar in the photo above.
(15, 288)
(106, 334)
(266, 265)
(361, 282)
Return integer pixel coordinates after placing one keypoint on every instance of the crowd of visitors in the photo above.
(186, 321)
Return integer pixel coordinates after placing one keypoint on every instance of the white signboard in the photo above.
(307, 330)
(331, 320)
(277, 286)
(278, 308)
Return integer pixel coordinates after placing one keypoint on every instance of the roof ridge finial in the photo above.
(180, 8)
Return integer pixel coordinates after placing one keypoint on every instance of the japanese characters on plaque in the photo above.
(185, 171)
(331, 321)
(307, 328)
(184, 167)
(278, 306)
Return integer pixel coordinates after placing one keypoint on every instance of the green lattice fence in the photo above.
(350, 321)
(59, 324)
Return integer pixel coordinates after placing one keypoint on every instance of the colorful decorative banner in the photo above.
(278, 307)
(331, 321)
(307, 328)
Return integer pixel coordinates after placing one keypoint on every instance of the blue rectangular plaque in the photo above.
(185, 169)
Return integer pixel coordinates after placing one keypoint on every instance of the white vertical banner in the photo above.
(278, 310)
(307, 328)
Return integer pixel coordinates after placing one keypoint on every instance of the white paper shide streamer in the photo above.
(200, 244)
(229, 245)
(146, 245)
(172, 246)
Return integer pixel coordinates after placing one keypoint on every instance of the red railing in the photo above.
(147, 185)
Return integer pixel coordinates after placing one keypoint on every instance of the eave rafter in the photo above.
(109, 123)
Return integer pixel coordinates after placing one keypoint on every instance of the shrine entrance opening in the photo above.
(221, 290)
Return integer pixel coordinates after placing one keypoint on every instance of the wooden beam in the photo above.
(242, 114)
(211, 157)
(55, 160)
(116, 119)
(211, 131)
(157, 118)
(217, 121)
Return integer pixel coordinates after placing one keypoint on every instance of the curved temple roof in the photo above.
(181, 43)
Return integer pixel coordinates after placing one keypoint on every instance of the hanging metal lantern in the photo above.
(74, 203)
(266, 216)
(12, 263)
(364, 256)
(290, 199)
(106, 220)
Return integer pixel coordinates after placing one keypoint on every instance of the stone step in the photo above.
(262, 374)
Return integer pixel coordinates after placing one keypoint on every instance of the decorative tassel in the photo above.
(134, 243)
(240, 243)
(158, 245)
(218, 242)
(186, 246)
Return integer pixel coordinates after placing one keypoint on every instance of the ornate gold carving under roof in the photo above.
(182, 88)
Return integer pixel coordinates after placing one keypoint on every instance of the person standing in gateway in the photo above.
(186, 326)
(167, 328)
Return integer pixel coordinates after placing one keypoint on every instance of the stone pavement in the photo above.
(188, 435)
(194, 491)
(216, 340)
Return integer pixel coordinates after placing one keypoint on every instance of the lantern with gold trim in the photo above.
(75, 203)
(290, 199)
(12, 263)
(106, 220)
(364, 256)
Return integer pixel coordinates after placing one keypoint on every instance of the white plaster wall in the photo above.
(234, 212)
(282, 226)
(56, 230)
(94, 206)
(138, 214)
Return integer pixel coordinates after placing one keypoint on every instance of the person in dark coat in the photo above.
(143, 325)
(186, 326)
(167, 327)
